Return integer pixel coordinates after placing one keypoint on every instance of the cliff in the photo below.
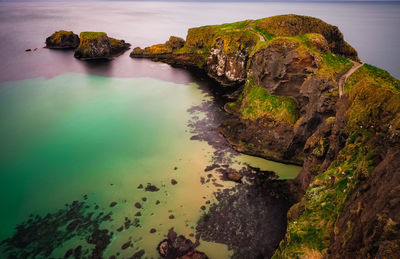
(286, 72)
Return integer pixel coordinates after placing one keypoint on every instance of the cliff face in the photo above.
(286, 71)
(351, 177)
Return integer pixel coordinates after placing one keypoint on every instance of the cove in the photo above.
(94, 139)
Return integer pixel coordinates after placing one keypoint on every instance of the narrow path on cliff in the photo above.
(262, 39)
(343, 78)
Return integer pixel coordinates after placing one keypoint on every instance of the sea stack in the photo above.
(62, 40)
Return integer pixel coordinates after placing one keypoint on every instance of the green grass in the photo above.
(256, 102)
(56, 37)
(371, 105)
(92, 35)
(373, 75)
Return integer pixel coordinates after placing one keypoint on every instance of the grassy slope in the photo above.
(255, 101)
(373, 93)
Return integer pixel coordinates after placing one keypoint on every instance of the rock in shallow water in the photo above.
(179, 247)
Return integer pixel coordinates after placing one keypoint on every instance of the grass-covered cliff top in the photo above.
(373, 115)
(92, 35)
(245, 35)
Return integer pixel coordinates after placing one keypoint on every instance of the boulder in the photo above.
(62, 40)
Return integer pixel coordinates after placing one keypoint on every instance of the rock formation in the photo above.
(62, 40)
(285, 71)
(97, 45)
(179, 247)
(90, 45)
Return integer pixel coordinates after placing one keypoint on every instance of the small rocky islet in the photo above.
(295, 99)
(88, 45)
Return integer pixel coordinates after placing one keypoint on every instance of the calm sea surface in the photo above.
(70, 128)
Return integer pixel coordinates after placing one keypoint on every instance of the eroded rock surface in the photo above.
(62, 40)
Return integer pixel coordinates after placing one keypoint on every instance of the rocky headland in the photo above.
(295, 99)
(88, 45)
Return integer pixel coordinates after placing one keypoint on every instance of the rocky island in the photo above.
(89, 45)
(62, 40)
(299, 94)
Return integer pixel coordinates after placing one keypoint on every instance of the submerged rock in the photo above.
(62, 40)
(179, 247)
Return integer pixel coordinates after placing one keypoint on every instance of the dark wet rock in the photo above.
(171, 216)
(173, 182)
(153, 230)
(112, 204)
(247, 217)
(230, 174)
(68, 253)
(138, 254)
(118, 47)
(151, 188)
(101, 239)
(78, 252)
(71, 226)
(138, 214)
(136, 223)
(178, 247)
(140, 186)
(127, 223)
(126, 245)
(41, 234)
(138, 205)
(27, 50)
(62, 40)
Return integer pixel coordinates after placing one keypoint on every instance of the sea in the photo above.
(97, 137)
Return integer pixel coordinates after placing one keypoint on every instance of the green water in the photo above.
(80, 134)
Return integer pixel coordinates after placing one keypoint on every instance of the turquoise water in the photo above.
(79, 134)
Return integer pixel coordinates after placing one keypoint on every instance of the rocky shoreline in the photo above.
(286, 72)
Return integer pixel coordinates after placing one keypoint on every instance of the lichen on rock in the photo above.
(97, 45)
(62, 40)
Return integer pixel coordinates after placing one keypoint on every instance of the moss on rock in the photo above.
(97, 45)
(62, 40)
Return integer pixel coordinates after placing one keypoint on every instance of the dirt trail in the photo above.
(262, 39)
(343, 78)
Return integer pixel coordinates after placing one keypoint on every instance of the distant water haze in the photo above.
(372, 28)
